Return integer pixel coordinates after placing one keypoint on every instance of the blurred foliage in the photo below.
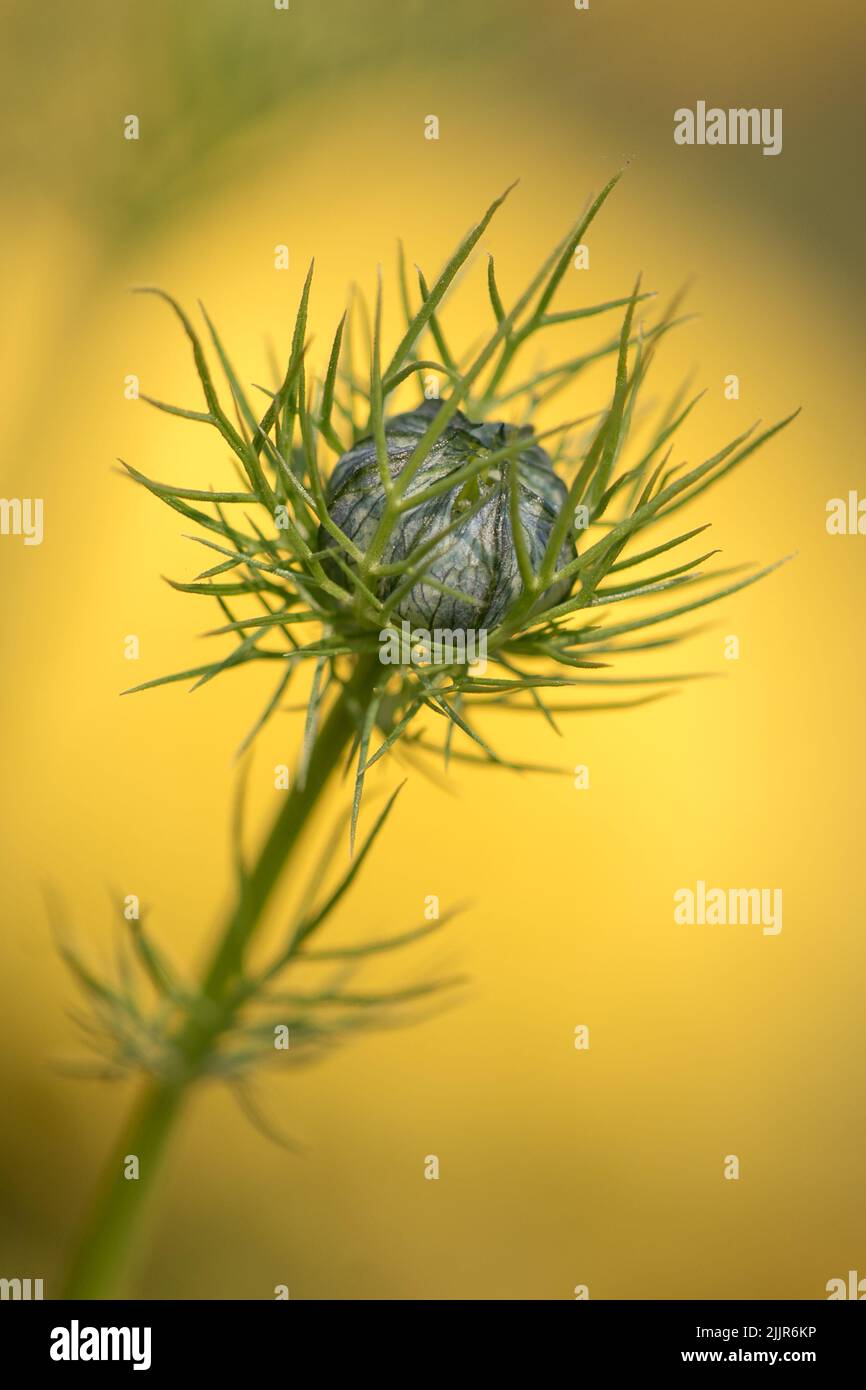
(221, 71)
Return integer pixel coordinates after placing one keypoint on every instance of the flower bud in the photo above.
(478, 556)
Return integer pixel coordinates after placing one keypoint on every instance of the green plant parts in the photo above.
(465, 511)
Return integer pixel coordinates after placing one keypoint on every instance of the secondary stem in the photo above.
(105, 1244)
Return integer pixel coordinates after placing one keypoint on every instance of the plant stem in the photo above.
(104, 1248)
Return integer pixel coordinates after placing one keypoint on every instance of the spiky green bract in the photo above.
(148, 1017)
(297, 587)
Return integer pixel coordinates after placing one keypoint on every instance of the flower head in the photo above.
(452, 515)
(472, 576)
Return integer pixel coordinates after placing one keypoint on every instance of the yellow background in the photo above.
(558, 1167)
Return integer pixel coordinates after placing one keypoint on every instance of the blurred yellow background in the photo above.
(558, 1167)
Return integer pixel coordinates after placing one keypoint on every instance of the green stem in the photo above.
(106, 1240)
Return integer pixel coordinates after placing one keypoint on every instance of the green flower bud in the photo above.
(477, 556)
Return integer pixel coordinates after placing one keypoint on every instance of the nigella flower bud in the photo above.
(477, 556)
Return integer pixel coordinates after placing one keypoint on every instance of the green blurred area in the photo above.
(205, 76)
